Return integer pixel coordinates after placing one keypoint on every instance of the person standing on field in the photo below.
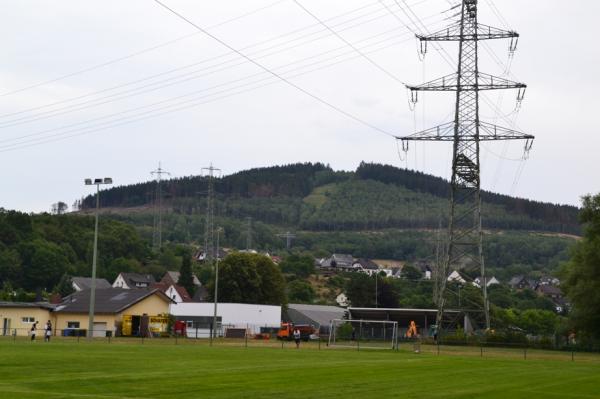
(48, 331)
(33, 328)
(297, 337)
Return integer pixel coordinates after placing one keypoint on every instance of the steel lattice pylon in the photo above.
(464, 240)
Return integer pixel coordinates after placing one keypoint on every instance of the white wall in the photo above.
(233, 314)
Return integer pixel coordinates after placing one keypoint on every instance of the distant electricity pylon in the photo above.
(209, 233)
(157, 231)
(288, 239)
(249, 233)
(464, 240)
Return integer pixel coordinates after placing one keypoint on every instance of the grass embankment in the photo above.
(64, 369)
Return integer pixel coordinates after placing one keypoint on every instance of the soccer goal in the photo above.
(372, 334)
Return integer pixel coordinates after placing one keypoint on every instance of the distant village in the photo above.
(138, 305)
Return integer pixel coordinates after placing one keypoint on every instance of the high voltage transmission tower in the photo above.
(157, 231)
(209, 233)
(288, 239)
(463, 249)
(248, 233)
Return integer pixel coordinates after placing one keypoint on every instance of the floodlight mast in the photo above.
(464, 247)
(96, 182)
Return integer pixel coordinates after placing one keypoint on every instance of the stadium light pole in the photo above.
(214, 323)
(97, 183)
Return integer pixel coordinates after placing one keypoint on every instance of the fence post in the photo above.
(246, 336)
(572, 355)
(481, 349)
(176, 343)
(319, 342)
(15, 335)
(525, 353)
(281, 343)
(438, 346)
(142, 339)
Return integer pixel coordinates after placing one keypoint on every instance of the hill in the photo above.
(314, 197)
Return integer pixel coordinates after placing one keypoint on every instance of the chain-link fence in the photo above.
(254, 336)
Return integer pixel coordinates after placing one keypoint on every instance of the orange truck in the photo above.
(286, 332)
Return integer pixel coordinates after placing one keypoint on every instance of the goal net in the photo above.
(374, 334)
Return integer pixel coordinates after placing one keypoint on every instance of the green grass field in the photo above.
(154, 370)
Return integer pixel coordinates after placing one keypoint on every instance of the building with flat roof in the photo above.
(198, 317)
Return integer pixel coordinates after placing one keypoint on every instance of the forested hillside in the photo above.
(37, 250)
(314, 197)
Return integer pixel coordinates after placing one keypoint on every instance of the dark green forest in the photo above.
(314, 197)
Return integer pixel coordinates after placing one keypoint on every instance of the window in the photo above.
(28, 319)
(72, 324)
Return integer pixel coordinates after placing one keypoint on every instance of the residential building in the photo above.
(18, 317)
(549, 291)
(521, 283)
(365, 264)
(172, 278)
(456, 277)
(118, 311)
(478, 282)
(338, 261)
(176, 292)
(85, 283)
(133, 280)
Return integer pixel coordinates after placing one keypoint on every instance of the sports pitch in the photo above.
(131, 370)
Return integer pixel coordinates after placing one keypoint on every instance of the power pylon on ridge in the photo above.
(248, 233)
(288, 239)
(209, 233)
(157, 231)
(463, 248)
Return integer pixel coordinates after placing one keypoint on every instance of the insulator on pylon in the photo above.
(414, 96)
(512, 47)
(423, 48)
(405, 146)
(527, 149)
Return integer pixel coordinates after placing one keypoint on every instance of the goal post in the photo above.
(368, 334)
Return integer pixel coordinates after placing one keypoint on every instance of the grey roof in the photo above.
(318, 315)
(108, 300)
(138, 278)
(85, 283)
(549, 290)
(42, 305)
(367, 264)
(175, 278)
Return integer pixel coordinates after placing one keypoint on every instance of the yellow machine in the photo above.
(412, 330)
(135, 326)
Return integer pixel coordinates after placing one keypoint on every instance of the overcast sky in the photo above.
(112, 87)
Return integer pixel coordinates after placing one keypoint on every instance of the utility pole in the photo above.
(216, 299)
(96, 182)
(209, 251)
(157, 234)
(288, 239)
(249, 233)
(464, 246)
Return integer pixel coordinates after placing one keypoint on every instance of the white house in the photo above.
(133, 280)
(456, 278)
(199, 315)
(478, 282)
(342, 300)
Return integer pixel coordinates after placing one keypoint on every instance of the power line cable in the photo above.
(140, 52)
(370, 60)
(51, 113)
(383, 41)
(153, 114)
(213, 87)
